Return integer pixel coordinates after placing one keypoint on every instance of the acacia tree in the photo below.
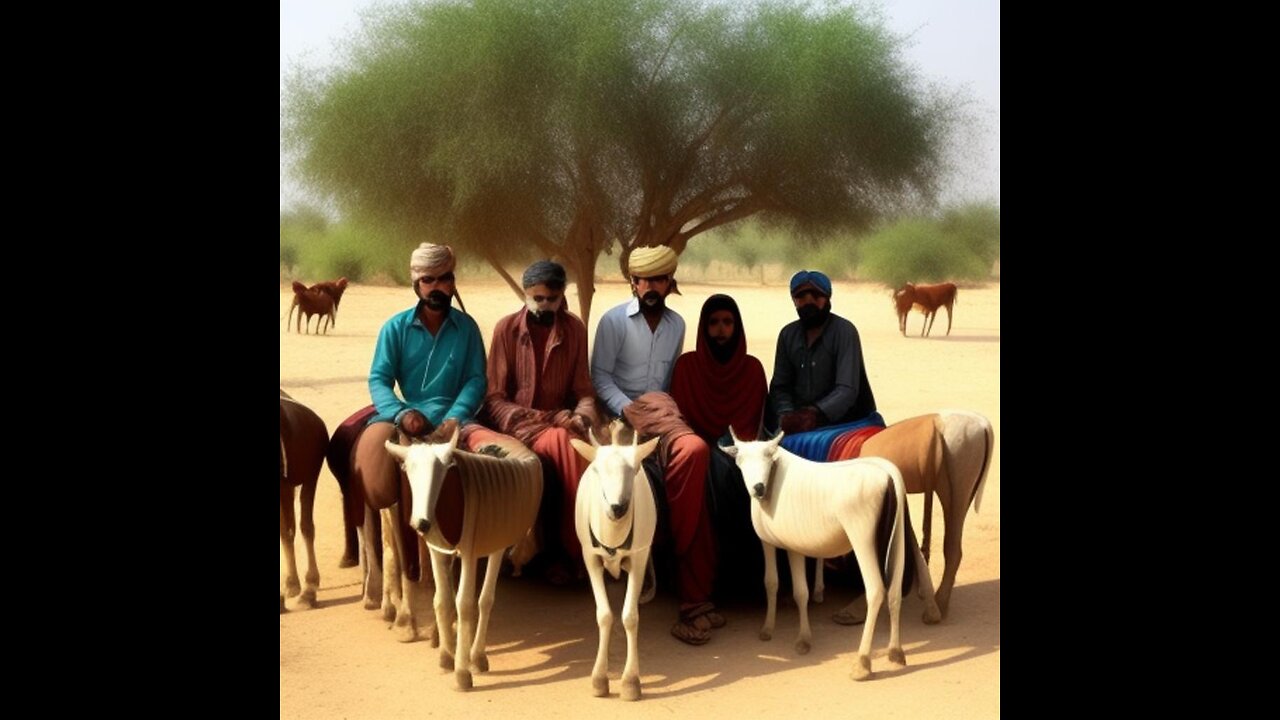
(513, 127)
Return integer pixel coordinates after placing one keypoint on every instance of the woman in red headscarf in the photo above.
(716, 387)
(719, 385)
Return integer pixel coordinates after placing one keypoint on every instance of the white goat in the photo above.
(499, 502)
(616, 517)
(823, 510)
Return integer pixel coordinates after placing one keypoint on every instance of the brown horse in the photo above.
(311, 301)
(303, 439)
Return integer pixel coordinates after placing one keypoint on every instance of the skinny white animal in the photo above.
(500, 498)
(823, 510)
(616, 517)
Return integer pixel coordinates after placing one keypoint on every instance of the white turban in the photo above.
(430, 259)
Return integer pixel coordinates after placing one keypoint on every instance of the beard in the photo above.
(541, 317)
(811, 316)
(544, 316)
(437, 300)
(652, 301)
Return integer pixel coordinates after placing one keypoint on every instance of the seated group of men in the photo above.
(536, 386)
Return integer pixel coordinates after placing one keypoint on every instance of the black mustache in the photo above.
(438, 297)
(652, 296)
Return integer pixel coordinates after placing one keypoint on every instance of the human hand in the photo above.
(802, 420)
(414, 424)
(580, 426)
(444, 433)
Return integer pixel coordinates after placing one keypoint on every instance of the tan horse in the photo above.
(948, 453)
(303, 439)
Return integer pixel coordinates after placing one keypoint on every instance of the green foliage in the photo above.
(546, 128)
(920, 250)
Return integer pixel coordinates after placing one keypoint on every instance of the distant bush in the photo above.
(916, 250)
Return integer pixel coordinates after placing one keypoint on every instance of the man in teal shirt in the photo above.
(432, 351)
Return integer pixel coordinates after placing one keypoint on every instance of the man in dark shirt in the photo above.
(819, 377)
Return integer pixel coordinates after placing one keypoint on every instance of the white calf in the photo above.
(500, 498)
(823, 510)
(616, 518)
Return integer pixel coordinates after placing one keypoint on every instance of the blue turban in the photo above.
(811, 277)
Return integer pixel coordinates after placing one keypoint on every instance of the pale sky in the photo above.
(955, 43)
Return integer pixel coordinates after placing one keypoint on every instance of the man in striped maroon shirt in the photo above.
(540, 393)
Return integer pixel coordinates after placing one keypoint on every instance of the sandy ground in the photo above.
(340, 661)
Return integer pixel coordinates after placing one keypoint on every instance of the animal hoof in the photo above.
(372, 603)
(406, 633)
(861, 668)
(631, 689)
(292, 589)
(817, 597)
(932, 615)
(481, 663)
(802, 647)
(307, 599)
(446, 661)
(897, 657)
(388, 611)
(348, 561)
(766, 634)
(463, 679)
(600, 686)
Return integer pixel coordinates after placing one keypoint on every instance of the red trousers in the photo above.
(691, 533)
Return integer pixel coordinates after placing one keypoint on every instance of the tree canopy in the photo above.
(512, 128)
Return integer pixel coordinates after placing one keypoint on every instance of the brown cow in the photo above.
(312, 301)
(927, 299)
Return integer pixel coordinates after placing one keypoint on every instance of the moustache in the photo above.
(437, 300)
(651, 298)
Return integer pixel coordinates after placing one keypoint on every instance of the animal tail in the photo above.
(894, 556)
(986, 465)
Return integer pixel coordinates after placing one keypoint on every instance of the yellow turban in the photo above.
(650, 261)
(430, 259)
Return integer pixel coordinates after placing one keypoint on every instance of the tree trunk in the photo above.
(511, 282)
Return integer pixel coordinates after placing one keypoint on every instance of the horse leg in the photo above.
(443, 604)
(898, 559)
(479, 658)
(770, 589)
(308, 526)
(864, 549)
(372, 573)
(818, 584)
(948, 319)
(399, 584)
(604, 621)
(924, 586)
(953, 512)
(426, 582)
(800, 591)
(291, 585)
(466, 621)
(631, 623)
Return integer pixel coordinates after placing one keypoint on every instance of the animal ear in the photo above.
(585, 450)
(777, 440)
(398, 452)
(644, 450)
(615, 429)
(733, 435)
(730, 450)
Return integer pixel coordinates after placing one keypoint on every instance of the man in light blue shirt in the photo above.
(632, 359)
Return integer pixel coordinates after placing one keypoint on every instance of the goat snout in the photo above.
(423, 526)
(617, 510)
(758, 490)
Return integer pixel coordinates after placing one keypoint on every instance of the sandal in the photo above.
(704, 616)
(688, 632)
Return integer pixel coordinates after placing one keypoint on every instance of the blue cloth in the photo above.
(628, 359)
(816, 444)
(441, 377)
(819, 280)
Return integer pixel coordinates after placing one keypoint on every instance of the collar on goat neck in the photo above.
(626, 544)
